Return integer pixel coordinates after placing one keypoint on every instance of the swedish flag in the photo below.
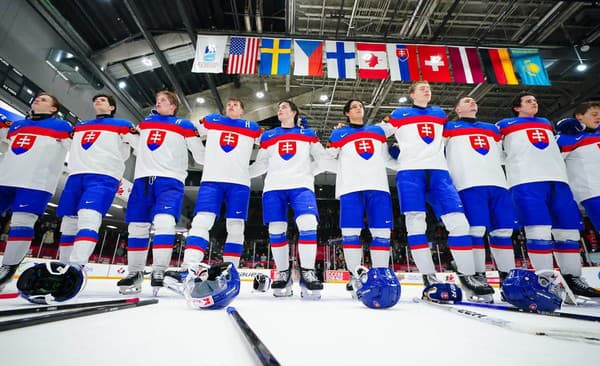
(530, 66)
(275, 56)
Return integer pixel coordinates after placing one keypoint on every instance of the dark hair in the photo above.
(111, 101)
(233, 99)
(347, 107)
(172, 97)
(516, 102)
(584, 107)
(293, 107)
(459, 99)
(55, 102)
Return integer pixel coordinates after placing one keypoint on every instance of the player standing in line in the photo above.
(473, 152)
(96, 163)
(30, 171)
(578, 140)
(285, 155)
(362, 187)
(423, 174)
(225, 178)
(157, 193)
(537, 178)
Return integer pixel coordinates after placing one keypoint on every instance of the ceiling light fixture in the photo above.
(260, 94)
(402, 100)
(323, 98)
(200, 100)
(122, 84)
(582, 66)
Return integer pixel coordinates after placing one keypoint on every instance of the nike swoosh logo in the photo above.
(343, 135)
(168, 207)
(21, 206)
(405, 114)
(238, 212)
(88, 202)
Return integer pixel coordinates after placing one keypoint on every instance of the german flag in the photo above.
(498, 66)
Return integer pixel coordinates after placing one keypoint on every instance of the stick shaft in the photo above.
(261, 351)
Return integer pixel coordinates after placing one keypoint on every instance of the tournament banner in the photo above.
(210, 51)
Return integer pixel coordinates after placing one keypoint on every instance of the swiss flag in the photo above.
(88, 139)
(372, 61)
(287, 149)
(480, 144)
(228, 141)
(434, 64)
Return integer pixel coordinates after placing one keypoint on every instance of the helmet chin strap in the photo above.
(60, 270)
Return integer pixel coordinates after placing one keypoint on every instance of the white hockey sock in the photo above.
(192, 256)
(352, 256)
(81, 252)
(464, 261)
(307, 249)
(380, 258)
(423, 260)
(479, 259)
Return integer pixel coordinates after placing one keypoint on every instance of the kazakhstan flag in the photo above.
(530, 66)
(275, 56)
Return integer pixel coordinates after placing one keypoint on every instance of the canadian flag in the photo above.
(372, 61)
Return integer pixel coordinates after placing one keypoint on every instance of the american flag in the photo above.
(243, 53)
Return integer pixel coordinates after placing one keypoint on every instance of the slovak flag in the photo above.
(364, 148)
(228, 141)
(308, 57)
(403, 62)
(287, 149)
(538, 137)
(372, 61)
(88, 139)
(426, 131)
(22, 144)
(480, 144)
(341, 60)
(155, 139)
(434, 64)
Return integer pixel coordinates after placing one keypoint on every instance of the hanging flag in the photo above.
(308, 57)
(530, 66)
(275, 56)
(210, 51)
(403, 62)
(372, 61)
(243, 53)
(498, 67)
(434, 64)
(466, 65)
(341, 60)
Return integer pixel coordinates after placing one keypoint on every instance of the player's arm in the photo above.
(387, 127)
(194, 144)
(388, 159)
(324, 161)
(260, 165)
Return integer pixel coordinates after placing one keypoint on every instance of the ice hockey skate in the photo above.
(578, 290)
(131, 284)
(157, 278)
(476, 290)
(310, 286)
(7, 271)
(430, 279)
(282, 286)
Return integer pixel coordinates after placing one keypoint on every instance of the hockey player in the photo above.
(473, 152)
(30, 171)
(157, 193)
(96, 164)
(285, 155)
(578, 140)
(423, 172)
(225, 178)
(537, 178)
(362, 187)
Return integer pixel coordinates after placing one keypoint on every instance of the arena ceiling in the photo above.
(116, 38)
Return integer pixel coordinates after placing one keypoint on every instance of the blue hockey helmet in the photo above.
(442, 293)
(50, 282)
(378, 288)
(213, 288)
(569, 126)
(530, 291)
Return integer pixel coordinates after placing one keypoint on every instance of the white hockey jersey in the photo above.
(473, 152)
(418, 132)
(36, 155)
(532, 154)
(101, 146)
(162, 147)
(229, 144)
(362, 155)
(581, 152)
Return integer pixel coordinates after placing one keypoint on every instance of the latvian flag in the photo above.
(466, 66)
(372, 61)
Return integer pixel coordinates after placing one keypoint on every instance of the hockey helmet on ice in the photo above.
(213, 288)
(378, 288)
(442, 293)
(49, 282)
(261, 282)
(530, 291)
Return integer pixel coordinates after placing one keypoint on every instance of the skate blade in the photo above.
(155, 290)
(307, 294)
(482, 299)
(284, 292)
(129, 290)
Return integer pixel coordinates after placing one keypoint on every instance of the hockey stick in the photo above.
(53, 317)
(41, 309)
(562, 334)
(261, 351)
(11, 295)
(559, 314)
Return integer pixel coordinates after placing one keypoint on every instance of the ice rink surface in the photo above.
(335, 330)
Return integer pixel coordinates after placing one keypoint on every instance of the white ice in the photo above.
(335, 330)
